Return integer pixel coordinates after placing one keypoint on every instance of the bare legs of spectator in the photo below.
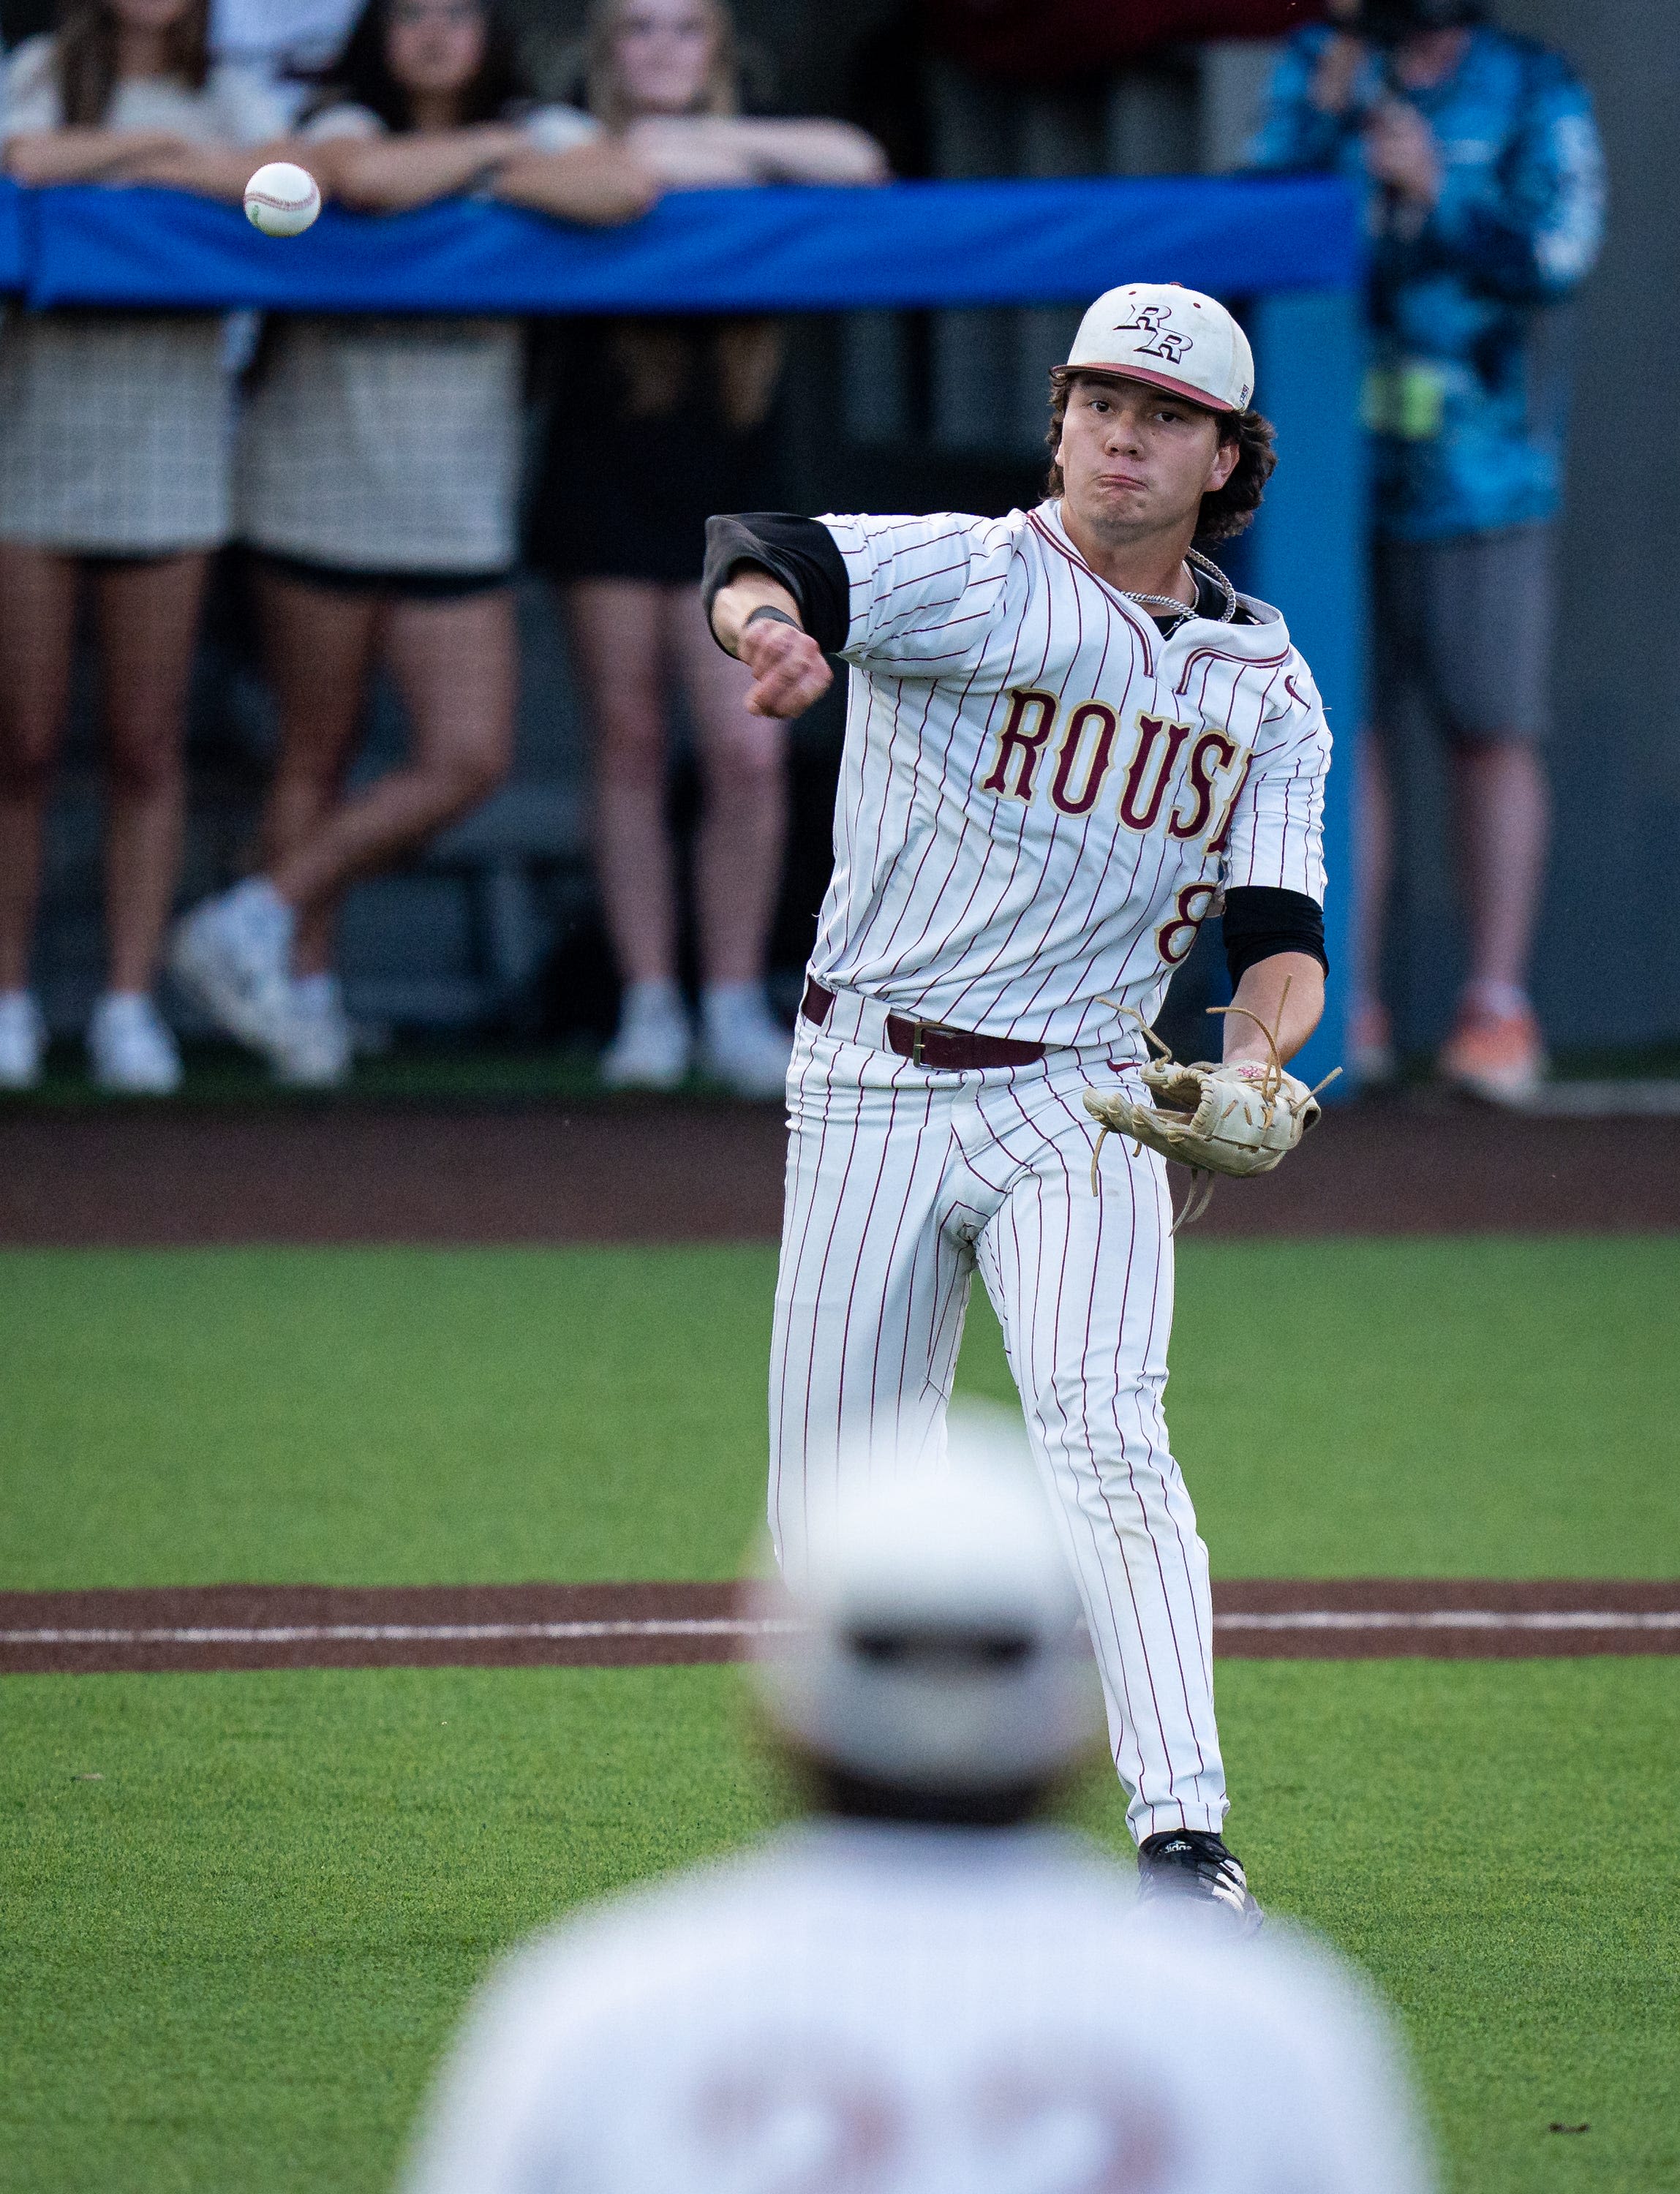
(1501, 805)
(629, 639)
(743, 830)
(260, 956)
(146, 623)
(455, 667)
(617, 635)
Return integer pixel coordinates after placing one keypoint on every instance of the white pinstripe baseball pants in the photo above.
(900, 1182)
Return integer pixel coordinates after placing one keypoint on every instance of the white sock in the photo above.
(655, 1000)
(1502, 999)
(726, 1005)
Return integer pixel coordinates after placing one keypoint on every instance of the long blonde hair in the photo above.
(605, 92)
(655, 359)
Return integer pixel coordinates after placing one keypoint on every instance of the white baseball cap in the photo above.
(1173, 338)
(942, 1647)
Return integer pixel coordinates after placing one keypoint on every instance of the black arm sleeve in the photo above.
(798, 551)
(1261, 921)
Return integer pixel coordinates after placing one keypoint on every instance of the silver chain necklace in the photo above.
(1170, 604)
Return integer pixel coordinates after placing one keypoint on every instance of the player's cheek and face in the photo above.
(1131, 454)
(434, 46)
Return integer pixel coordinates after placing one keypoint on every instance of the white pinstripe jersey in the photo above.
(868, 2009)
(1041, 796)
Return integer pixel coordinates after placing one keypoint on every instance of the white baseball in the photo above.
(281, 199)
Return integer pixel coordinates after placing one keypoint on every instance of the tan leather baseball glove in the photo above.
(1238, 1119)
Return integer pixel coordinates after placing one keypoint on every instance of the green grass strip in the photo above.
(232, 1960)
(1455, 1407)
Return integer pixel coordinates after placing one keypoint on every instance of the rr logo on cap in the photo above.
(1163, 342)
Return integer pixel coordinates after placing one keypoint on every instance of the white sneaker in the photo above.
(130, 1050)
(743, 1045)
(23, 1040)
(316, 1054)
(651, 1048)
(232, 955)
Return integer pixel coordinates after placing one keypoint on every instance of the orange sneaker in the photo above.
(1498, 1056)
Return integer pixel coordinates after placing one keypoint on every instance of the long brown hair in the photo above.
(604, 94)
(1226, 511)
(362, 73)
(86, 56)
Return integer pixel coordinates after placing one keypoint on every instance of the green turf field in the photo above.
(1453, 1408)
(229, 1961)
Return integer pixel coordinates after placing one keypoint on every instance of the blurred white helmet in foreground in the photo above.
(944, 1649)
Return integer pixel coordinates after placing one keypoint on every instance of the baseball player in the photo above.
(1069, 741)
(917, 1992)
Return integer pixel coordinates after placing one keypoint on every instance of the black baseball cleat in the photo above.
(1194, 1864)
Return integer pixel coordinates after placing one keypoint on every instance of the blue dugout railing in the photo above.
(1288, 250)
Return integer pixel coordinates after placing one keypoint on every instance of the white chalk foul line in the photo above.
(446, 1634)
(402, 1633)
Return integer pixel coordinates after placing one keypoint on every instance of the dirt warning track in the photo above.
(205, 1628)
(650, 1169)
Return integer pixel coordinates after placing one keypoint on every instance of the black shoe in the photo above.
(1193, 1863)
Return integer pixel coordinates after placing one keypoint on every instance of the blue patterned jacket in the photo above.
(1468, 430)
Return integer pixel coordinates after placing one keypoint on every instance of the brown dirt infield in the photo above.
(210, 1627)
(653, 1170)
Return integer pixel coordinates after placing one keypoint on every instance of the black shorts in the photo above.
(622, 497)
(403, 586)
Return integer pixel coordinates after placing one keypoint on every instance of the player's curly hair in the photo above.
(85, 54)
(1226, 511)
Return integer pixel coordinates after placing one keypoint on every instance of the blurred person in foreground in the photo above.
(920, 1989)
(377, 483)
(114, 429)
(655, 424)
(1485, 193)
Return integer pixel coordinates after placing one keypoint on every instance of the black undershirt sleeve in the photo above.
(798, 551)
(1261, 921)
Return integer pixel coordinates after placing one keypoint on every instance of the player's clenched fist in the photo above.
(756, 619)
(788, 669)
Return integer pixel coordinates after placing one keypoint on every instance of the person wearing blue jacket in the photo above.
(1483, 181)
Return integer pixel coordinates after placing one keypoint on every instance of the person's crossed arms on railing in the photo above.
(426, 104)
(127, 92)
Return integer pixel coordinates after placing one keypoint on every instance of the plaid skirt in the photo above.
(115, 433)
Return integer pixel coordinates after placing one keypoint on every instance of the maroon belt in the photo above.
(930, 1043)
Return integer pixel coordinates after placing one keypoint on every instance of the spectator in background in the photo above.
(377, 483)
(113, 479)
(1486, 190)
(655, 424)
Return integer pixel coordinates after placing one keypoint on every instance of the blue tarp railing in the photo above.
(707, 251)
(11, 237)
